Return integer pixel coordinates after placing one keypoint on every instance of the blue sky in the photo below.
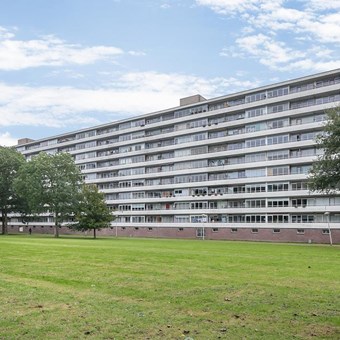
(71, 64)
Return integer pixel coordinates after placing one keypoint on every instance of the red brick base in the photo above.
(242, 234)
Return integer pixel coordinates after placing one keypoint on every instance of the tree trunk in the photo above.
(4, 222)
(56, 226)
(94, 233)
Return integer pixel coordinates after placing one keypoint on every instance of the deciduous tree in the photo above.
(51, 183)
(10, 162)
(325, 173)
(92, 213)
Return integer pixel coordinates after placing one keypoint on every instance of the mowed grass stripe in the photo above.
(166, 289)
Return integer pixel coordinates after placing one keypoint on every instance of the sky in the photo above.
(72, 64)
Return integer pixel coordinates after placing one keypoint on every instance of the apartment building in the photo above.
(233, 167)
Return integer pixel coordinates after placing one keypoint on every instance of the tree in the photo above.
(325, 173)
(92, 212)
(51, 183)
(10, 162)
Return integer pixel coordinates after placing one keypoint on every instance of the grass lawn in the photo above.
(72, 288)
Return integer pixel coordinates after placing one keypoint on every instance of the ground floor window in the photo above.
(200, 232)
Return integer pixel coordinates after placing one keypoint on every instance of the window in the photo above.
(277, 155)
(303, 169)
(85, 134)
(86, 145)
(140, 122)
(256, 142)
(233, 146)
(123, 126)
(256, 112)
(191, 178)
(300, 88)
(236, 218)
(255, 157)
(137, 206)
(200, 232)
(137, 171)
(187, 112)
(256, 203)
(198, 205)
(181, 219)
(137, 219)
(254, 230)
(150, 229)
(137, 135)
(278, 218)
(252, 188)
(277, 139)
(215, 230)
(276, 203)
(255, 173)
(278, 171)
(255, 219)
(325, 231)
(299, 186)
(279, 123)
(276, 231)
(299, 202)
(136, 228)
(234, 230)
(198, 218)
(300, 231)
(277, 92)
(303, 218)
(180, 229)
(255, 97)
(278, 108)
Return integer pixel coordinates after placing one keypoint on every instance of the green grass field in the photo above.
(72, 288)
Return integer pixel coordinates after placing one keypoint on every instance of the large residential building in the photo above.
(233, 167)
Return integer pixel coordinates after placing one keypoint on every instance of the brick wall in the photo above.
(242, 234)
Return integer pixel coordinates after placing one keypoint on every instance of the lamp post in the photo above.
(116, 226)
(327, 213)
(204, 220)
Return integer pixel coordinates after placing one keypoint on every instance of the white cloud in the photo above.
(268, 51)
(182, 85)
(132, 94)
(5, 33)
(282, 37)
(324, 28)
(137, 53)
(48, 51)
(7, 140)
(312, 65)
(235, 6)
(327, 29)
(278, 56)
(322, 5)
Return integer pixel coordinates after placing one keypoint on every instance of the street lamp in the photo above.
(327, 213)
(116, 226)
(204, 220)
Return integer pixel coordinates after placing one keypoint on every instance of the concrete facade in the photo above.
(237, 162)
